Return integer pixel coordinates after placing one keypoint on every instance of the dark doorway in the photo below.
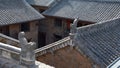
(41, 39)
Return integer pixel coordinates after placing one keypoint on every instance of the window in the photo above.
(58, 23)
(25, 27)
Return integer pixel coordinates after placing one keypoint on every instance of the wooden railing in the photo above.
(54, 46)
(9, 40)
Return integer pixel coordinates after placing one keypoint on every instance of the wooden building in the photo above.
(41, 6)
(64, 12)
(18, 15)
(93, 46)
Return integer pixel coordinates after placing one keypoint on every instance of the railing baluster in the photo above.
(53, 46)
(43, 50)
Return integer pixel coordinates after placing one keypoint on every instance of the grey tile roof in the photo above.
(100, 41)
(45, 3)
(104, 0)
(86, 10)
(115, 64)
(17, 11)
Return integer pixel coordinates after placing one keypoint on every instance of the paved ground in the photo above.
(65, 58)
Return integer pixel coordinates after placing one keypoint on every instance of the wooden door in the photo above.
(41, 39)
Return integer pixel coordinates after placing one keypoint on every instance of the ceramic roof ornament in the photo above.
(73, 28)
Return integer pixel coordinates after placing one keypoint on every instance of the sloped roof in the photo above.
(17, 11)
(115, 64)
(100, 41)
(86, 10)
(45, 3)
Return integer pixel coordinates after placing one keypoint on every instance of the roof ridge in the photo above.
(98, 26)
(100, 41)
